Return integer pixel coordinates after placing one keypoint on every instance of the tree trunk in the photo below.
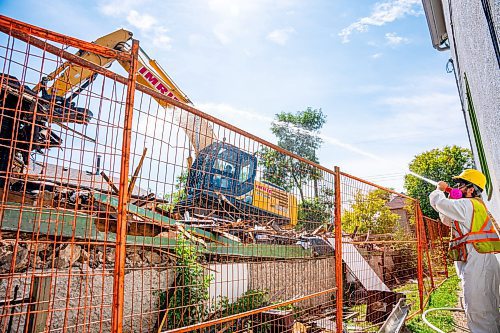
(299, 186)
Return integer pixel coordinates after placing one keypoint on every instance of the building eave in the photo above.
(435, 21)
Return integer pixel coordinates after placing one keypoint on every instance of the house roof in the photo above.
(397, 203)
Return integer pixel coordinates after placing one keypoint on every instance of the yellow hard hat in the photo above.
(474, 177)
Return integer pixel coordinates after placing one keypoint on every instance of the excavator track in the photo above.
(216, 204)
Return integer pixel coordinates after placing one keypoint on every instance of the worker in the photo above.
(474, 242)
(228, 170)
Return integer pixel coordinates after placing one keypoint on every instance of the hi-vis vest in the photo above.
(482, 234)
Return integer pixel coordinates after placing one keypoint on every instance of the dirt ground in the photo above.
(459, 317)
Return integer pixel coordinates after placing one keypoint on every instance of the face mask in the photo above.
(454, 193)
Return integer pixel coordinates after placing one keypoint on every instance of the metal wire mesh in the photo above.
(379, 252)
(126, 210)
(436, 263)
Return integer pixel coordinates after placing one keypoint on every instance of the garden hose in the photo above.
(438, 309)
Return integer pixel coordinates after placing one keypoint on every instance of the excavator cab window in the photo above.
(223, 174)
(246, 169)
(223, 168)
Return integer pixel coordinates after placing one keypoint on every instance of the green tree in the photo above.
(436, 164)
(178, 195)
(316, 211)
(297, 133)
(369, 212)
(187, 301)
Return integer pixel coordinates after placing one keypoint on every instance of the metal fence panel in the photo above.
(126, 210)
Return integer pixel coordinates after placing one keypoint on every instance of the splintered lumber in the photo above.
(228, 235)
(18, 197)
(86, 137)
(191, 237)
(318, 230)
(163, 220)
(298, 327)
(275, 227)
(110, 183)
(136, 173)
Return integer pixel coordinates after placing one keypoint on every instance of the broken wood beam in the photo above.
(110, 182)
(137, 170)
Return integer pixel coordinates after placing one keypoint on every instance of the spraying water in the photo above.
(432, 182)
(454, 193)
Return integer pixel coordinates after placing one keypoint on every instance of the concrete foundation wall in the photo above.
(295, 278)
(80, 299)
(88, 296)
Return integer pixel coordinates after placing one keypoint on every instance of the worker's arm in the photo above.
(445, 220)
(459, 210)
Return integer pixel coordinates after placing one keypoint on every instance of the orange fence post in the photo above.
(426, 242)
(443, 246)
(119, 272)
(338, 253)
(420, 266)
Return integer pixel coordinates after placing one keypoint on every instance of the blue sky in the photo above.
(369, 65)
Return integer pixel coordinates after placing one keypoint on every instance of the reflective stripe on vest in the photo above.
(481, 235)
(474, 237)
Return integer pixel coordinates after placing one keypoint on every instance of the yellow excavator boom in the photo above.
(69, 78)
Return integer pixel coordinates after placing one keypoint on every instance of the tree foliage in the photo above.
(297, 133)
(178, 195)
(369, 212)
(436, 164)
(187, 303)
(316, 211)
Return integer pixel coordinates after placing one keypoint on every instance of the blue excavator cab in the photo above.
(224, 168)
(221, 182)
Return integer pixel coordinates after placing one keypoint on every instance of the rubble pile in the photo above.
(47, 254)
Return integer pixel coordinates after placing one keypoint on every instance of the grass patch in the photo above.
(445, 296)
(410, 290)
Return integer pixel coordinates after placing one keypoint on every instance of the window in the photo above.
(246, 171)
(477, 138)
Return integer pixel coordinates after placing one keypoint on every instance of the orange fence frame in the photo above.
(29, 33)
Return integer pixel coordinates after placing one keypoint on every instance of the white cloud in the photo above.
(232, 8)
(238, 19)
(141, 21)
(145, 23)
(376, 55)
(393, 39)
(161, 39)
(227, 110)
(424, 112)
(222, 33)
(280, 36)
(430, 100)
(119, 7)
(233, 17)
(383, 13)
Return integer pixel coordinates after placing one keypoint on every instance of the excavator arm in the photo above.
(245, 194)
(70, 79)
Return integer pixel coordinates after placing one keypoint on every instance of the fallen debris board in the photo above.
(261, 250)
(65, 223)
(160, 218)
(395, 322)
(359, 266)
